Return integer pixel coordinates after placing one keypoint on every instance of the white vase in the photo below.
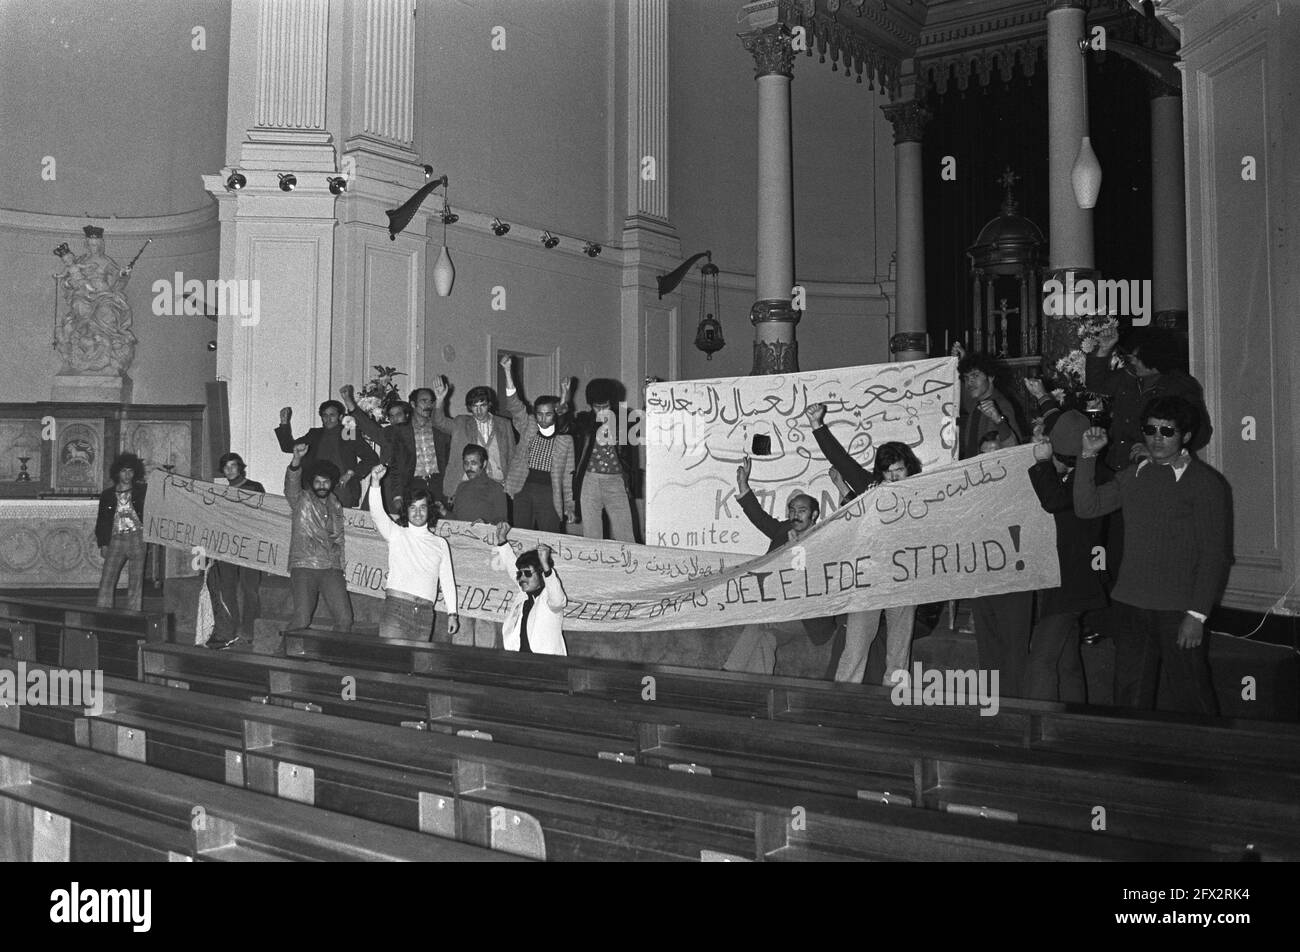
(444, 274)
(1086, 175)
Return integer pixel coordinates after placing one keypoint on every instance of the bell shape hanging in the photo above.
(444, 273)
(1086, 175)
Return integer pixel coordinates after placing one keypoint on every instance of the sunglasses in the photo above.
(1149, 430)
(524, 573)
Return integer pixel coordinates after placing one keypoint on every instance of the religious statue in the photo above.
(93, 333)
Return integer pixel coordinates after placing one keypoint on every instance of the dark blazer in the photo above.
(1081, 588)
(857, 476)
(819, 630)
(397, 452)
(357, 456)
(975, 424)
(108, 506)
(1129, 396)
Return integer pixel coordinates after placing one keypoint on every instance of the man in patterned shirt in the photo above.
(603, 483)
(119, 530)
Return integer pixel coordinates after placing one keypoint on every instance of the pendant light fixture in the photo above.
(1085, 175)
(444, 272)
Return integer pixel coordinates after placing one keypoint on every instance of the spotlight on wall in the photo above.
(212, 345)
(499, 227)
(549, 240)
(428, 172)
(236, 181)
(591, 249)
(288, 181)
(338, 184)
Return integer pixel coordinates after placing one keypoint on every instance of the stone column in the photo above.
(775, 348)
(1168, 208)
(909, 119)
(281, 242)
(1067, 123)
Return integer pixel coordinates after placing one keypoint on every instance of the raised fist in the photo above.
(286, 414)
(815, 414)
(958, 350)
(377, 473)
(1094, 440)
(544, 556)
(1106, 341)
(506, 362)
(348, 393)
(299, 451)
(503, 532)
(1042, 450)
(1035, 388)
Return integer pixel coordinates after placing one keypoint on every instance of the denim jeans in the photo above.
(125, 548)
(406, 616)
(861, 632)
(755, 650)
(309, 585)
(606, 492)
(478, 633)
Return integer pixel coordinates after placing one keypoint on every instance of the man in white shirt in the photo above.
(536, 622)
(418, 563)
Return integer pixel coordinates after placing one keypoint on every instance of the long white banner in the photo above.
(698, 431)
(957, 531)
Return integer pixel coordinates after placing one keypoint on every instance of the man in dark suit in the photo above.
(119, 530)
(334, 443)
(755, 649)
(481, 426)
(415, 458)
(228, 582)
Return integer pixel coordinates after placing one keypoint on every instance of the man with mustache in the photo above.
(316, 541)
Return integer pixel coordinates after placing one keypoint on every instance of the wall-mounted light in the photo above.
(212, 345)
(288, 181)
(591, 249)
(236, 181)
(338, 184)
(400, 217)
(428, 172)
(499, 228)
(548, 240)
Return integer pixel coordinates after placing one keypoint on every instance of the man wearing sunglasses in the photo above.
(1175, 557)
(535, 623)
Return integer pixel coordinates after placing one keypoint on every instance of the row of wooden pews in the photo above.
(570, 759)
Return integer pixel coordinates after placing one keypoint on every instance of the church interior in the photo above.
(220, 215)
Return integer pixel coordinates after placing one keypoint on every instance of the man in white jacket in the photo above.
(536, 622)
(418, 563)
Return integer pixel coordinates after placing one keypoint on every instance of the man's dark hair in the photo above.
(232, 458)
(125, 460)
(1184, 414)
(1155, 347)
(530, 558)
(403, 406)
(321, 467)
(544, 399)
(415, 394)
(332, 403)
(891, 453)
(477, 394)
(605, 390)
(978, 361)
(473, 449)
(815, 505)
(418, 496)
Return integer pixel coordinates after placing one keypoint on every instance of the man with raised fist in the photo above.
(1175, 557)
(316, 541)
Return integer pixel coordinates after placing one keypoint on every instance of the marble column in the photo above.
(1168, 208)
(1071, 241)
(909, 120)
(775, 348)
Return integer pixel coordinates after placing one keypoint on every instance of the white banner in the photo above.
(698, 431)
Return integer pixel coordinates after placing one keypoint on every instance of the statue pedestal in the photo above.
(91, 388)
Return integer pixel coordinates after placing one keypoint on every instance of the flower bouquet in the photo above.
(380, 393)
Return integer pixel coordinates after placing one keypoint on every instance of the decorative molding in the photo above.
(775, 357)
(389, 74)
(198, 220)
(770, 47)
(778, 312)
(292, 46)
(908, 119)
(917, 341)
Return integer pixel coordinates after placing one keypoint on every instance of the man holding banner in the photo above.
(316, 541)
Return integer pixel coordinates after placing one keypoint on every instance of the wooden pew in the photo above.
(587, 808)
(60, 803)
(78, 636)
(1046, 787)
(1147, 737)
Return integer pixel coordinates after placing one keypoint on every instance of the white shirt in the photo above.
(418, 560)
(545, 620)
